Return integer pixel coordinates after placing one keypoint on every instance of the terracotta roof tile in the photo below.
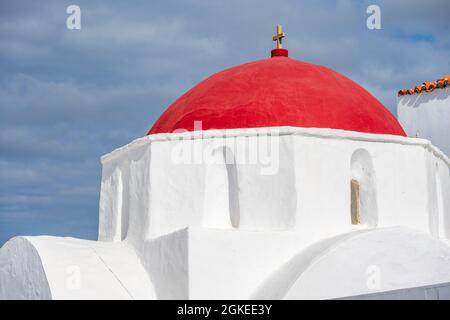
(427, 86)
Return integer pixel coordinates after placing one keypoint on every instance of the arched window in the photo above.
(355, 202)
(221, 199)
(363, 197)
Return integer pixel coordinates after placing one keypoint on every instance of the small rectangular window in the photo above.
(355, 202)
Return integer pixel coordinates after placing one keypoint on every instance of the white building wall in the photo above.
(176, 190)
(444, 171)
(427, 115)
(296, 224)
(308, 193)
(110, 207)
(267, 192)
(401, 185)
(323, 194)
(438, 195)
(323, 184)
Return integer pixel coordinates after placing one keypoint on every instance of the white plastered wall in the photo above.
(427, 115)
(308, 193)
(286, 218)
(46, 267)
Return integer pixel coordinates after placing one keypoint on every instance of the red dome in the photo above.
(278, 92)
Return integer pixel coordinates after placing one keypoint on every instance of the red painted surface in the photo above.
(279, 53)
(278, 92)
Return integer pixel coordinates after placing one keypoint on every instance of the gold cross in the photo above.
(280, 35)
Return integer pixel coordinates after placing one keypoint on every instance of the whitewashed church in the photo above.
(275, 179)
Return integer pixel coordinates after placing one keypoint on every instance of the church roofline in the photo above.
(325, 133)
(427, 86)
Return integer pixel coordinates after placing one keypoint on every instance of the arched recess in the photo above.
(363, 189)
(221, 200)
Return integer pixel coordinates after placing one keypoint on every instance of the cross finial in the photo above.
(280, 35)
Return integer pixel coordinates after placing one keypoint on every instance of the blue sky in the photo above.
(69, 96)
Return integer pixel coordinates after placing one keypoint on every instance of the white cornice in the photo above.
(323, 133)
